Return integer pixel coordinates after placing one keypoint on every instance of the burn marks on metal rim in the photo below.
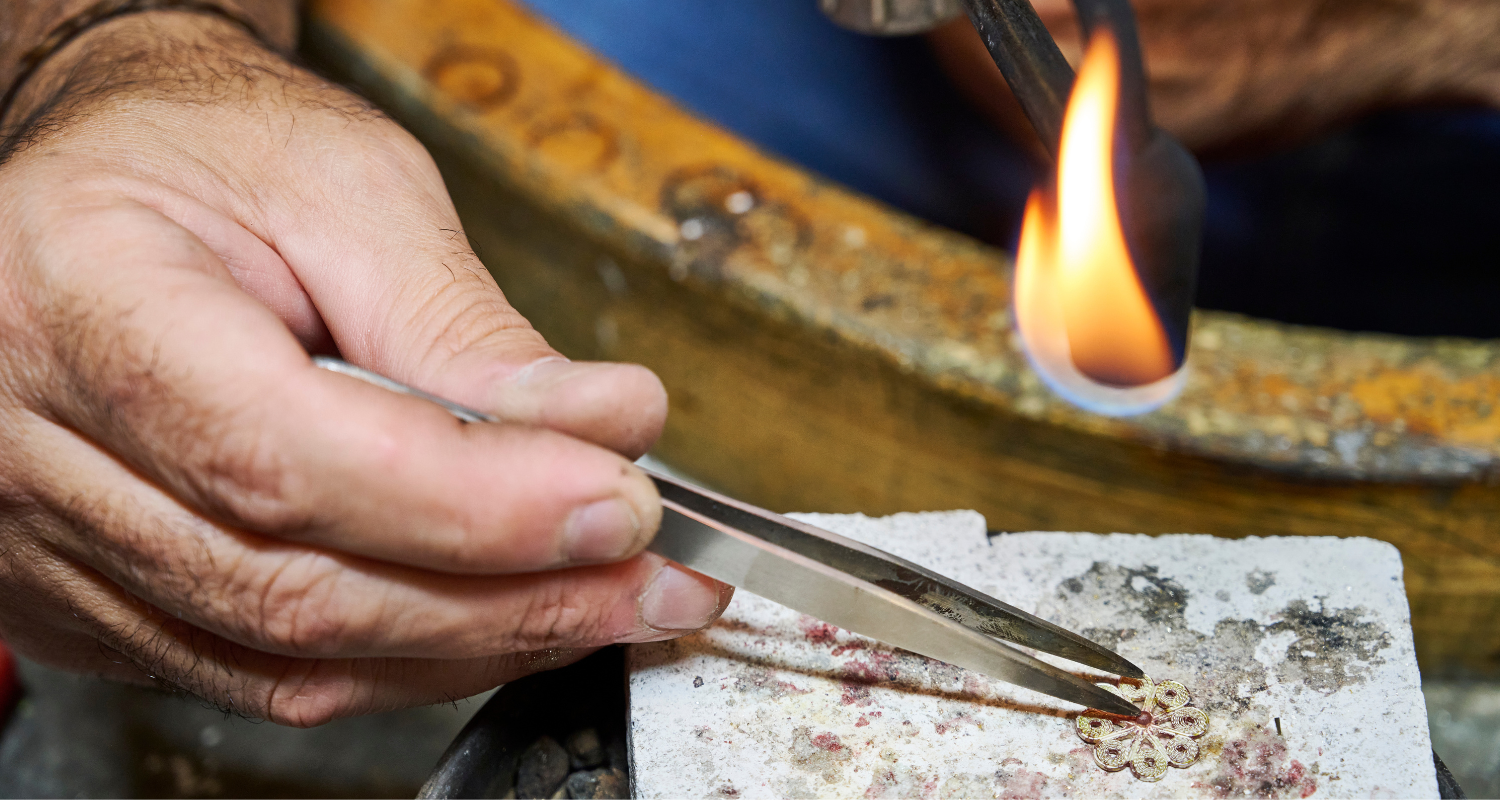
(718, 212)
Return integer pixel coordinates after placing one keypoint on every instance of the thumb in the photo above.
(619, 406)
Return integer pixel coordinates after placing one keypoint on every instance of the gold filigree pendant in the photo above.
(1163, 736)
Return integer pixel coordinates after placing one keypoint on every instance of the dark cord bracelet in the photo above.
(100, 12)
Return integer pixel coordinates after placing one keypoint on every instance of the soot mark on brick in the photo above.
(1141, 595)
(761, 685)
(1114, 605)
(1258, 581)
(1333, 649)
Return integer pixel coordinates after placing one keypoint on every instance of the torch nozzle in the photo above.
(1158, 182)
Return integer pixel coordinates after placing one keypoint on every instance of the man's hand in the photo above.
(184, 498)
(1258, 72)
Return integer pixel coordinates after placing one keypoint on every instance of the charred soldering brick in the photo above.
(1311, 632)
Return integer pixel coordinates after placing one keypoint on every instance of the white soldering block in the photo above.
(1299, 650)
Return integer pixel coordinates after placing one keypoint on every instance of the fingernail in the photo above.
(543, 370)
(601, 531)
(678, 600)
(534, 390)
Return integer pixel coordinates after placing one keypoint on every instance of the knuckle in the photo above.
(243, 475)
(299, 611)
(465, 313)
(313, 693)
(464, 306)
(306, 711)
(403, 149)
(390, 452)
(381, 135)
(558, 616)
(380, 155)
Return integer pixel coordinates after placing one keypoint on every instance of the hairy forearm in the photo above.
(24, 24)
(1468, 48)
(1266, 71)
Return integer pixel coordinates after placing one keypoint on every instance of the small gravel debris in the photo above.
(618, 759)
(598, 768)
(543, 768)
(599, 783)
(585, 751)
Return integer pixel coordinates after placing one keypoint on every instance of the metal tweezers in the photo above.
(852, 585)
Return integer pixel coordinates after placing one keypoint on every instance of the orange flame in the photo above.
(1080, 307)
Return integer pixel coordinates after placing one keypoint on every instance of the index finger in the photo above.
(169, 365)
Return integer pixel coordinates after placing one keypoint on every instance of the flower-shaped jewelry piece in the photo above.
(1162, 736)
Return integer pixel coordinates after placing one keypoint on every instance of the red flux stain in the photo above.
(880, 667)
(1297, 774)
(827, 741)
(882, 781)
(817, 631)
(855, 694)
(1024, 785)
(975, 685)
(954, 723)
(1259, 765)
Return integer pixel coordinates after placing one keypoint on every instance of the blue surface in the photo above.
(1391, 224)
(873, 114)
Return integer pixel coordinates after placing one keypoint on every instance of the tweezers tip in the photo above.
(1134, 711)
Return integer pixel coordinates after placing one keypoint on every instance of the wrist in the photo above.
(48, 39)
(1477, 78)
